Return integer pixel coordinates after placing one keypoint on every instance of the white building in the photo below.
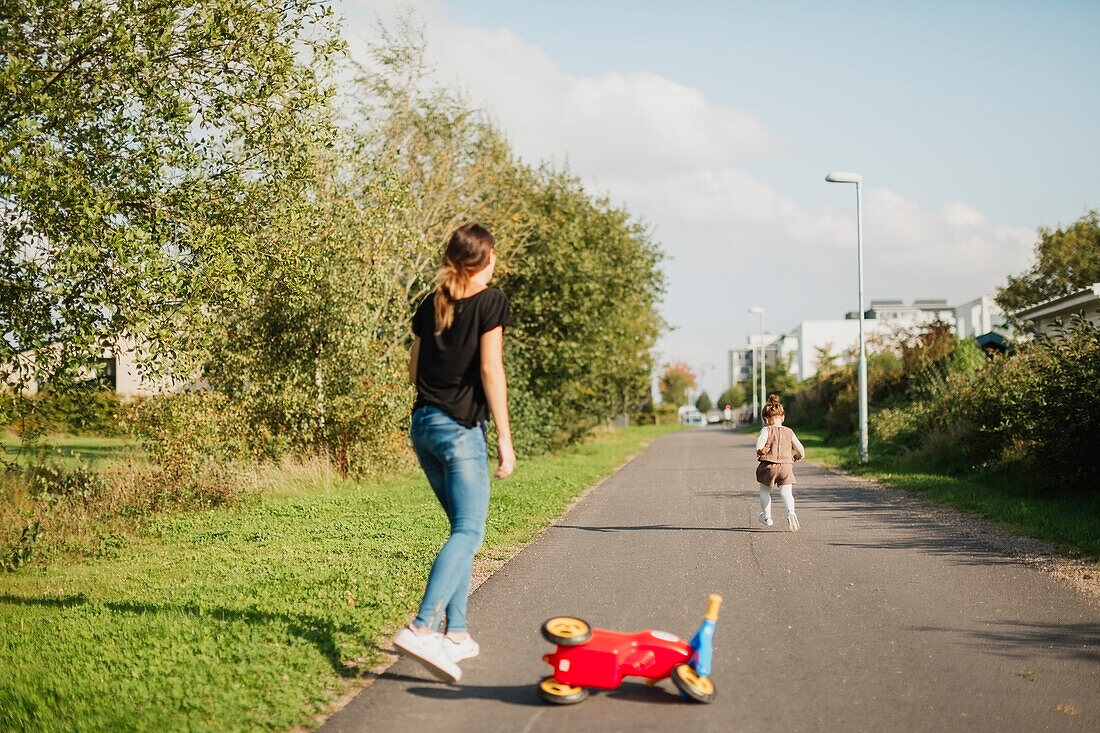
(812, 340)
(1045, 316)
(742, 362)
(117, 368)
(839, 338)
(894, 314)
(979, 317)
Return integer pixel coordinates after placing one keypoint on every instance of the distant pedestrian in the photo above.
(457, 365)
(777, 449)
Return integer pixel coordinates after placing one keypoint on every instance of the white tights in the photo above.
(766, 499)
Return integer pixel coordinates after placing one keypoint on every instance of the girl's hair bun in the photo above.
(773, 399)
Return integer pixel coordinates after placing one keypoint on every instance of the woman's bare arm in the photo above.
(495, 383)
(414, 356)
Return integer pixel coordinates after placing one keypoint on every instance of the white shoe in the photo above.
(792, 521)
(459, 650)
(765, 519)
(428, 649)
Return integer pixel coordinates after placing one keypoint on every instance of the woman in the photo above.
(457, 365)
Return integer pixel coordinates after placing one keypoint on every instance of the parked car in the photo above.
(714, 417)
(692, 417)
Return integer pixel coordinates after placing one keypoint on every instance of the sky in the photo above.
(972, 123)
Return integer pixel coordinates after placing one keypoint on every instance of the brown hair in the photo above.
(774, 408)
(466, 255)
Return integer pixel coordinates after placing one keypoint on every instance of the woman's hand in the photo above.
(506, 459)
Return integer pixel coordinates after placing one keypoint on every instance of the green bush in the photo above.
(1033, 412)
(198, 440)
(947, 449)
(842, 415)
(1040, 409)
(64, 484)
(78, 411)
(15, 553)
(901, 428)
(534, 421)
(1066, 408)
(833, 402)
(926, 416)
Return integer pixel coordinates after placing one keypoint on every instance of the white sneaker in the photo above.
(459, 650)
(792, 521)
(429, 651)
(765, 519)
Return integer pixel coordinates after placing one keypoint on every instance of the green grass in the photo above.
(256, 617)
(71, 450)
(1072, 525)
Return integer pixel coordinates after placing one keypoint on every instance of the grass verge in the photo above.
(71, 450)
(1071, 525)
(255, 617)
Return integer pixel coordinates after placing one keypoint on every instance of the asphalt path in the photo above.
(874, 617)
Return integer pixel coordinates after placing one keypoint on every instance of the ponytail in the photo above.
(466, 255)
(448, 281)
(774, 408)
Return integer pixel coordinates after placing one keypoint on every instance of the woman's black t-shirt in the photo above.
(448, 371)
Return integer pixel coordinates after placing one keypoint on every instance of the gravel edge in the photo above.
(1082, 575)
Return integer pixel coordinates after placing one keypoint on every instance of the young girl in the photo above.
(777, 448)
(457, 365)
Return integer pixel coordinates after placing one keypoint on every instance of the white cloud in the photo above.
(616, 125)
(675, 158)
(622, 124)
(955, 242)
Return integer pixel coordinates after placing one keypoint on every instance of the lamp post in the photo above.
(846, 177)
(754, 389)
(763, 390)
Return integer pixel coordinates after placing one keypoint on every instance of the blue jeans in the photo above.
(456, 463)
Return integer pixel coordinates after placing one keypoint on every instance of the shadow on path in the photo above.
(660, 527)
(1019, 639)
(911, 523)
(511, 694)
(526, 694)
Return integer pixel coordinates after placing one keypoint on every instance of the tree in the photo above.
(779, 378)
(584, 284)
(582, 274)
(1065, 260)
(826, 360)
(143, 148)
(448, 154)
(704, 402)
(733, 396)
(316, 362)
(674, 383)
(318, 355)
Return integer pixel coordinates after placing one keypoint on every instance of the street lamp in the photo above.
(760, 311)
(846, 177)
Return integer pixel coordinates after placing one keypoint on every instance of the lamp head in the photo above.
(756, 309)
(844, 177)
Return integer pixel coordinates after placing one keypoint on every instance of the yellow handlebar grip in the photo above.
(713, 602)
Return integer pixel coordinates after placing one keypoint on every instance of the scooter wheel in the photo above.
(566, 631)
(694, 687)
(552, 691)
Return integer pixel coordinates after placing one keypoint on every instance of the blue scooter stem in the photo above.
(702, 642)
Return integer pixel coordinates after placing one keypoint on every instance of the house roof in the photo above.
(1063, 304)
(992, 340)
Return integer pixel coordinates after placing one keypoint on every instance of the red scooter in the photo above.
(598, 658)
